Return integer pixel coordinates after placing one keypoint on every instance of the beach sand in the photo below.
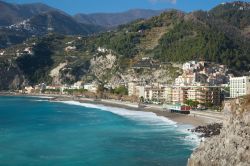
(191, 119)
(179, 118)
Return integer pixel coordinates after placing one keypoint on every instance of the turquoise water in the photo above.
(37, 132)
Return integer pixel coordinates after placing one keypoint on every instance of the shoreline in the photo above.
(182, 119)
(194, 118)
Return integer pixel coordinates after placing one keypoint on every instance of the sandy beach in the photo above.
(195, 118)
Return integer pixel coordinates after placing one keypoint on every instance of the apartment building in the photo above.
(201, 93)
(239, 86)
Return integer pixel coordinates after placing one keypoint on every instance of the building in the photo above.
(239, 86)
(29, 89)
(186, 79)
(40, 87)
(140, 91)
(131, 88)
(77, 85)
(201, 93)
(168, 94)
(155, 91)
(92, 87)
(70, 48)
(179, 94)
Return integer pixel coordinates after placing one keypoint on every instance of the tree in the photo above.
(141, 99)
(121, 90)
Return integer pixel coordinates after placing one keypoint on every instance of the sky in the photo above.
(92, 6)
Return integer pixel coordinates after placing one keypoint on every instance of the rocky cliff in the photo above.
(11, 76)
(232, 146)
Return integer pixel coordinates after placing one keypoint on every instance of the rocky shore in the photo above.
(232, 146)
(209, 130)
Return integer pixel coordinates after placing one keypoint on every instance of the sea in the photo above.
(37, 132)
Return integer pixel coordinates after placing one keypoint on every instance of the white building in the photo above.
(239, 86)
(70, 48)
(2, 52)
(131, 88)
(29, 89)
(186, 79)
(103, 50)
(28, 50)
(77, 85)
(91, 87)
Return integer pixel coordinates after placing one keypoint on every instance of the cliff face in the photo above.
(10, 76)
(232, 146)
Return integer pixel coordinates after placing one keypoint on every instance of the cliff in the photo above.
(232, 146)
(11, 76)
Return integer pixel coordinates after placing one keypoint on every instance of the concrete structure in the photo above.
(131, 88)
(239, 86)
(186, 79)
(29, 89)
(201, 93)
(91, 87)
(140, 91)
(155, 91)
(77, 85)
(70, 48)
(40, 87)
(168, 94)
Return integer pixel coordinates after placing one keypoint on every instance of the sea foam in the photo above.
(149, 118)
(42, 97)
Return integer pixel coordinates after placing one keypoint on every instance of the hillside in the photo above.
(42, 24)
(110, 20)
(14, 13)
(178, 37)
(19, 22)
(54, 21)
(110, 57)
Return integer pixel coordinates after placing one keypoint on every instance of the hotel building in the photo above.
(239, 86)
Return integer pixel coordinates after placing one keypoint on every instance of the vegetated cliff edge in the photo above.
(232, 146)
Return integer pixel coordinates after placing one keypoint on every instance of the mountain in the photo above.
(19, 22)
(116, 19)
(109, 57)
(54, 21)
(14, 13)
(236, 13)
(42, 24)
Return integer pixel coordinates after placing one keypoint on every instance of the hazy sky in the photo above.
(91, 6)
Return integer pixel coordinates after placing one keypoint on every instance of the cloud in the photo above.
(169, 1)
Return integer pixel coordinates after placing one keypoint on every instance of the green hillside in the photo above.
(220, 35)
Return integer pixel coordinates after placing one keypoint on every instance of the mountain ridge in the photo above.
(14, 13)
(116, 19)
(173, 37)
(18, 22)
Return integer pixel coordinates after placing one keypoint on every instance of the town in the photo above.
(202, 85)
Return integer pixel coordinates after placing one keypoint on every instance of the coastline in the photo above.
(195, 118)
(179, 118)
